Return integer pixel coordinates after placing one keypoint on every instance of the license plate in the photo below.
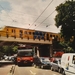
(25, 62)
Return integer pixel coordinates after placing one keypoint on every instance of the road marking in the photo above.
(9, 74)
(46, 70)
(32, 72)
(12, 70)
(54, 74)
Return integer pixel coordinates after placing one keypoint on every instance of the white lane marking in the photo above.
(32, 72)
(54, 74)
(9, 74)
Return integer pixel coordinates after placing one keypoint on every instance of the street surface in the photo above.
(12, 69)
(5, 69)
(25, 70)
(33, 71)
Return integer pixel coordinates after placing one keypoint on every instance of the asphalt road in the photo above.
(27, 70)
(5, 69)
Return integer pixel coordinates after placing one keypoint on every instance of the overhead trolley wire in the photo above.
(45, 18)
(7, 13)
(42, 13)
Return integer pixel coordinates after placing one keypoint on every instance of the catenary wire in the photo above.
(42, 12)
(47, 17)
(8, 15)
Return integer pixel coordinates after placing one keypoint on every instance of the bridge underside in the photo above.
(43, 46)
(36, 41)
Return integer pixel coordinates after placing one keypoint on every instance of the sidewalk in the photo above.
(3, 61)
(5, 70)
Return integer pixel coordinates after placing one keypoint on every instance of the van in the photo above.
(68, 64)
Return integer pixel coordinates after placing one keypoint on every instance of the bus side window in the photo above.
(73, 59)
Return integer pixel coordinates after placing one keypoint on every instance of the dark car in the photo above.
(41, 62)
(56, 65)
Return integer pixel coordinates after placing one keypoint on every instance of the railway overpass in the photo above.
(36, 41)
(45, 41)
(45, 45)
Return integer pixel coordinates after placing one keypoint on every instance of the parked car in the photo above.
(6, 57)
(41, 62)
(11, 58)
(56, 65)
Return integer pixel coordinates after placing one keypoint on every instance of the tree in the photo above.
(66, 19)
(66, 46)
(6, 50)
(15, 48)
(10, 50)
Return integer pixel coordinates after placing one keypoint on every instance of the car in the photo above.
(6, 58)
(56, 65)
(11, 58)
(41, 62)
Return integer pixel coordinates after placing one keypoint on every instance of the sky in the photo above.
(30, 14)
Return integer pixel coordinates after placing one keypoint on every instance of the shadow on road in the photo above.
(5, 63)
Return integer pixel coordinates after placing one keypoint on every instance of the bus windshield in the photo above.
(25, 53)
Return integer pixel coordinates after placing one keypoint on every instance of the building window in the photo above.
(25, 32)
(33, 33)
(21, 31)
(13, 31)
(50, 35)
(53, 35)
(56, 36)
(30, 33)
(7, 29)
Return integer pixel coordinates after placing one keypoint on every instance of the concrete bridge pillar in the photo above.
(51, 50)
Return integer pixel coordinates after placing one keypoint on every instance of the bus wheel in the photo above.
(18, 64)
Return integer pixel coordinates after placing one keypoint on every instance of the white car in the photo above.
(6, 58)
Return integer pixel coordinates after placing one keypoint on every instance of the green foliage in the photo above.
(15, 48)
(67, 46)
(9, 50)
(5, 49)
(66, 19)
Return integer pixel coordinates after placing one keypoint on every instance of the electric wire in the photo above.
(45, 19)
(38, 16)
(4, 9)
(42, 12)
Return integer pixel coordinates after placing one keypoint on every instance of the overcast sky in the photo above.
(29, 14)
